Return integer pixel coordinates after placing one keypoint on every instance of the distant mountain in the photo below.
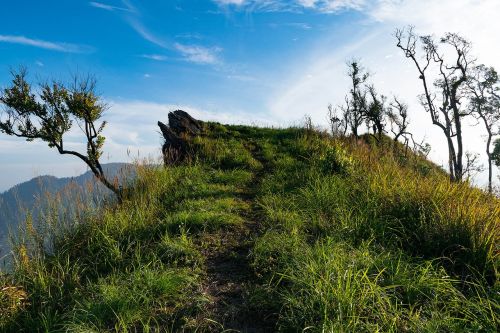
(34, 195)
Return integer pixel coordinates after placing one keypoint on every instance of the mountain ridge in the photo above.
(24, 197)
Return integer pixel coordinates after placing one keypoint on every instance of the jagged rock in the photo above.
(180, 126)
(181, 122)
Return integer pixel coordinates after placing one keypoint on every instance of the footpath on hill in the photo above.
(230, 278)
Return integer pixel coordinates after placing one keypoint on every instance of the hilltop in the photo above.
(265, 230)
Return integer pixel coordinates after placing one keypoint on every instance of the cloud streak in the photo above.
(199, 54)
(145, 33)
(110, 8)
(192, 53)
(43, 44)
(156, 57)
(323, 6)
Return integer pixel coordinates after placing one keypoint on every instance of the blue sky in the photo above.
(240, 61)
(167, 51)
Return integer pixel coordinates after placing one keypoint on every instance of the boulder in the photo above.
(182, 123)
(180, 126)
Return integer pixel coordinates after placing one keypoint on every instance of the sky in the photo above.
(262, 62)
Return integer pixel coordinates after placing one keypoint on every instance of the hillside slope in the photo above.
(265, 230)
(35, 195)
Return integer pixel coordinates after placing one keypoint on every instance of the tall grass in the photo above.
(360, 239)
(351, 237)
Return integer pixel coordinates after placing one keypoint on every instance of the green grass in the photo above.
(350, 237)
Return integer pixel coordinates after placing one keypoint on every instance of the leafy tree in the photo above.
(376, 112)
(356, 105)
(49, 113)
(484, 104)
(495, 155)
(442, 98)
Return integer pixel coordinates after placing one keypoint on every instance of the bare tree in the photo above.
(473, 165)
(484, 104)
(48, 114)
(443, 100)
(397, 114)
(338, 121)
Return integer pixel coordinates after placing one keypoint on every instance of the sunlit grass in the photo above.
(350, 237)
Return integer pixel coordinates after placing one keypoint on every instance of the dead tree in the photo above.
(49, 114)
(484, 103)
(338, 121)
(442, 99)
(397, 114)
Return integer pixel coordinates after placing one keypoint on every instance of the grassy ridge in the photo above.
(350, 237)
(359, 240)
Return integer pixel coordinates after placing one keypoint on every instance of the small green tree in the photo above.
(495, 155)
(49, 113)
(356, 101)
(376, 113)
(484, 103)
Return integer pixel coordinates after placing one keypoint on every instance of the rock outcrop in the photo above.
(180, 127)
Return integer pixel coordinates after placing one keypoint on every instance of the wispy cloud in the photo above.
(199, 54)
(110, 8)
(145, 33)
(243, 78)
(332, 6)
(157, 57)
(231, 2)
(189, 35)
(130, 14)
(192, 53)
(43, 44)
(297, 25)
(324, 6)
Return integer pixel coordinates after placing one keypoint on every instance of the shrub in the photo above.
(336, 159)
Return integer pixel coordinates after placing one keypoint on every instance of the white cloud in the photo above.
(132, 133)
(243, 78)
(298, 25)
(110, 8)
(157, 57)
(331, 6)
(43, 44)
(199, 54)
(324, 6)
(145, 33)
(231, 2)
(477, 20)
(192, 53)
(319, 79)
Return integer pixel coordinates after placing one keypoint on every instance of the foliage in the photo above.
(349, 237)
(49, 114)
(443, 92)
(336, 159)
(496, 153)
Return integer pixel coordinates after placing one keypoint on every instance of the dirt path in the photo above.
(230, 276)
